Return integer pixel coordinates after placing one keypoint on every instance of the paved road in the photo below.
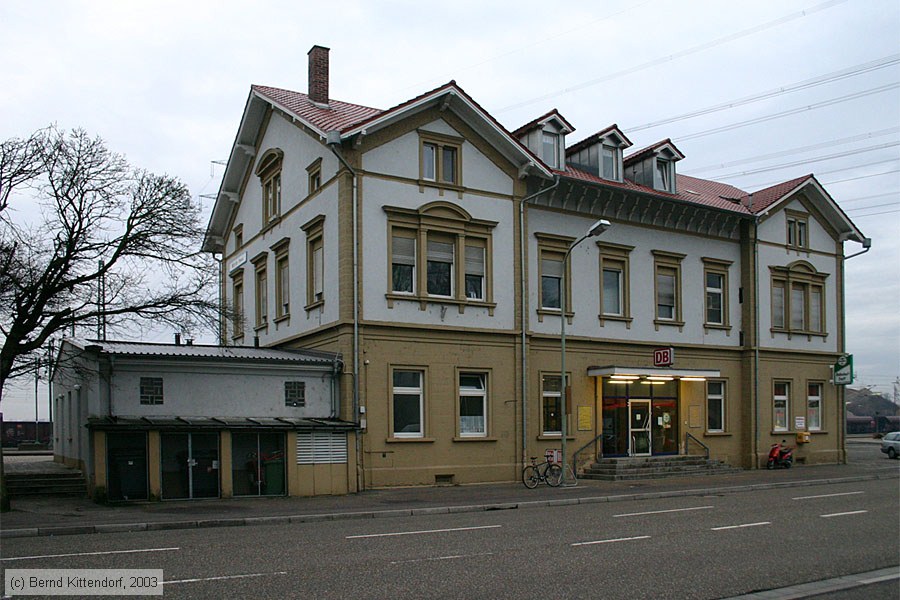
(689, 547)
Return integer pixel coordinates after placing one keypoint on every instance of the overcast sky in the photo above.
(810, 87)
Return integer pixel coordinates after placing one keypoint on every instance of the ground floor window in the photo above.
(814, 407)
(715, 406)
(257, 464)
(781, 405)
(408, 403)
(472, 405)
(551, 403)
(126, 466)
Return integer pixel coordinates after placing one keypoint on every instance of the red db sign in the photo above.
(663, 357)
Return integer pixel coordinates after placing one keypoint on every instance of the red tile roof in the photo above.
(337, 116)
(690, 189)
(649, 149)
(766, 197)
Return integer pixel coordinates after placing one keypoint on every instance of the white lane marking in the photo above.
(841, 514)
(827, 495)
(222, 577)
(374, 535)
(452, 557)
(761, 523)
(628, 539)
(880, 579)
(92, 553)
(658, 512)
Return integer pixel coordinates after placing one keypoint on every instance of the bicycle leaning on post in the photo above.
(548, 472)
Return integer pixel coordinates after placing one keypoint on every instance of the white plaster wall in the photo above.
(299, 152)
(204, 390)
(376, 269)
(585, 285)
(400, 158)
(773, 230)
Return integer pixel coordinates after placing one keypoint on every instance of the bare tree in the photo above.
(75, 216)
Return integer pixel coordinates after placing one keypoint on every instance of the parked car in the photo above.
(890, 444)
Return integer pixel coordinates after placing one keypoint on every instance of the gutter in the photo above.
(524, 316)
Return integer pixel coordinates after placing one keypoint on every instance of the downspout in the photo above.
(333, 140)
(842, 416)
(524, 316)
(756, 342)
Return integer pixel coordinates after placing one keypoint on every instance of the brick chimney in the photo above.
(318, 74)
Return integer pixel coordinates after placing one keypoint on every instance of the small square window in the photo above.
(295, 393)
(151, 390)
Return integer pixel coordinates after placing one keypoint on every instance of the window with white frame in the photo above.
(261, 291)
(439, 253)
(550, 149)
(441, 257)
(475, 270)
(715, 406)
(282, 280)
(715, 275)
(408, 403)
(473, 405)
(315, 261)
(814, 406)
(781, 406)
(610, 160)
(237, 304)
(797, 230)
(551, 405)
(798, 299)
(664, 174)
(614, 281)
(269, 172)
(551, 279)
(439, 159)
(667, 267)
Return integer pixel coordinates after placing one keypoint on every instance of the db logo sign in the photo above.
(663, 357)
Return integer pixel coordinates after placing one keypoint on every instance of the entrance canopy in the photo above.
(661, 373)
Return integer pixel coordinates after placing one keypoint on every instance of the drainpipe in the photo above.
(524, 316)
(333, 140)
(842, 417)
(756, 342)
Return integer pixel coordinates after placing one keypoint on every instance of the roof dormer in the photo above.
(654, 166)
(546, 138)
(600, 154)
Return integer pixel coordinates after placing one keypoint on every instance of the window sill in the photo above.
(554, 312)
(792, 332)
(262, 328)
(425, 300)
(238, 340)
(283, 318)
(271, 224)
(409, 440)
(441, 185)
(545, 437)
(317, 304)
(717, 327)
(717, 434)
(668, 323)
(474, 439)
(616, 318)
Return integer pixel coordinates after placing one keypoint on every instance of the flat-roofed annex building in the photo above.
(426, 244)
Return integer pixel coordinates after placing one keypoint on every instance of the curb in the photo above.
(437, 510)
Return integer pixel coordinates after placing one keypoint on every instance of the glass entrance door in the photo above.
(190, 465)
(639, 427)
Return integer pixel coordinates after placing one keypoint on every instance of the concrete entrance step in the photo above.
(656, 467)
(70, 483)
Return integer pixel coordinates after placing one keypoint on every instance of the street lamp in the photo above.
(595, 230)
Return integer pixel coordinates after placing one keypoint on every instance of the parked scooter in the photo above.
(780, 456)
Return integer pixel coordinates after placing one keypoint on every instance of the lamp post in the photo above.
(595, 230)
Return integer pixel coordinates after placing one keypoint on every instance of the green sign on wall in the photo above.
(843, 370)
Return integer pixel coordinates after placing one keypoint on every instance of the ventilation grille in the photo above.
(321, 447)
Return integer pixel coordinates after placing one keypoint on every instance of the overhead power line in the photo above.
(759, 186)
(793, 111)
(779, 91)
(875, 214)
(793, 151)
(815, 159)
(687, 52)
(860, 208)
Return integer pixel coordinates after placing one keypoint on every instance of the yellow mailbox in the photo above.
(802, 437)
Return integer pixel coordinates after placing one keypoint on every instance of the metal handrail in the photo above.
(577, 452)
(688, 435)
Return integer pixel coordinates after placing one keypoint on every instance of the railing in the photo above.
(582, 449)
(688, 437)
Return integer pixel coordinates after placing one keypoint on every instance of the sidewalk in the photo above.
(45, 515)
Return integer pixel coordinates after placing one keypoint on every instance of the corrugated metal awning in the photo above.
(215, 423)
(644, 372)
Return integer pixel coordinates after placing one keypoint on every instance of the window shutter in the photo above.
(440, 252)
(551, 268)
(404, 250)
(474, 260)
(321, 447)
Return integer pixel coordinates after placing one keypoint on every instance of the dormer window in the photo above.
(610, 159)
(550, 152)
(664, 174)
